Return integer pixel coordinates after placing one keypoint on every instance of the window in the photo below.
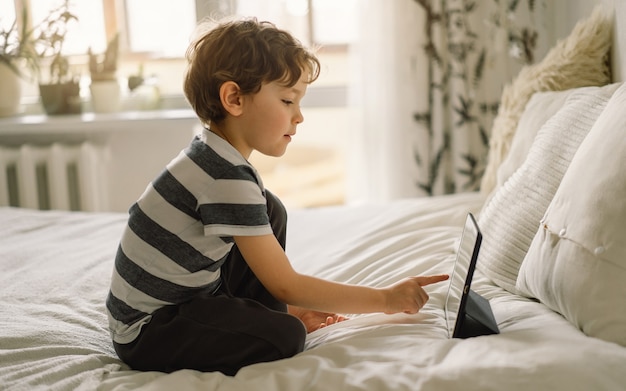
(156, 40)
(7, 11)
(166, 27)
(333, 23)
(164, 33)
(87, 32)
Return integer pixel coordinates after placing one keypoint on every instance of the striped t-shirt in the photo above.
(180, 231)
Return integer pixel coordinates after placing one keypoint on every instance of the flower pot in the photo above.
(62, 98)
(106, 96)
(10, 91)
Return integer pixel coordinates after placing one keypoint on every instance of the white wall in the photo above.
(569, 12)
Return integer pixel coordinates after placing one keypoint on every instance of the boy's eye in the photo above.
(287, 102)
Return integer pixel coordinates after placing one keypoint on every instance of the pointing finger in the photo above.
(427, 280)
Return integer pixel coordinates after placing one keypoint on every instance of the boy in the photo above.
(201, 279)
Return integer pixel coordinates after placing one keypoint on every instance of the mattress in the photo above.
(55, 269)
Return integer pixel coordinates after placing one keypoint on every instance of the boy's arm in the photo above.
(269, 263)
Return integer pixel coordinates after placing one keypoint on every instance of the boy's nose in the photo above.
(299, 118)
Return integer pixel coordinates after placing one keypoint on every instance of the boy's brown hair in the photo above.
(247, 52)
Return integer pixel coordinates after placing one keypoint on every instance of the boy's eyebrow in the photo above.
(296, 90)
(293, 89)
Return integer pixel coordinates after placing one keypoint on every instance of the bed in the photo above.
(553, 267)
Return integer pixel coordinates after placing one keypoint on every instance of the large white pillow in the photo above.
(510, 218)
(576, 264)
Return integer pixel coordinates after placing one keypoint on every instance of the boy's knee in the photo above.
(294, 334)
(278, 216)
(285, 340)
(275, 207)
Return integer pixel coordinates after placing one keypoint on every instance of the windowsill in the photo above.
(33, 123)
(33, 119)
(89, 121)
(168, 107)
(32, 106)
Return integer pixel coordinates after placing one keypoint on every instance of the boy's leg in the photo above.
(216, 333)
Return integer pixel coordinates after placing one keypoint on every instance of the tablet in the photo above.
(467, 313)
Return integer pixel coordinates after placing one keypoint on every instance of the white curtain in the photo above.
(428, 76)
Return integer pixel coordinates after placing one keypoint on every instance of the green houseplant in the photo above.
(17, 47)
(105, 87)
(17, 52)
(104, 67)
(61, 93)
(23, 49)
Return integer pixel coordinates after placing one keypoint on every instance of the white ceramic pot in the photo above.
(10, 92)
(106, 96)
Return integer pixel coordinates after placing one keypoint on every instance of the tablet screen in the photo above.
(461, 276)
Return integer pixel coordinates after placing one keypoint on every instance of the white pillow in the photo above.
(541, 107)
(576, 264)
(510, 218)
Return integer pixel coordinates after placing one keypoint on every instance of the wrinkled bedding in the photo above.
(55, 269)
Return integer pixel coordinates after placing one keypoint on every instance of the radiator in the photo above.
(56, 176)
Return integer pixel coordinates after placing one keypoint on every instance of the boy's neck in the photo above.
(216, 131)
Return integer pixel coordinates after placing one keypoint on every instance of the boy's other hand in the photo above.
(315, 320)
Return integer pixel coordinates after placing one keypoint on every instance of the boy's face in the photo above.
(270, 117)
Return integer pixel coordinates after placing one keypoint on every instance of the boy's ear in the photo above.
(230, 95)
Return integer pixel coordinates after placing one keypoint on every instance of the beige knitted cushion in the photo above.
(511, 217)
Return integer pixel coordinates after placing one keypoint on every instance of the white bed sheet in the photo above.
(55, 269)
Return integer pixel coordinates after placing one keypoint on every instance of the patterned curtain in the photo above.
(473, 49)
(432, 72)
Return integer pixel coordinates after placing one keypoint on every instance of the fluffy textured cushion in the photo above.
(576, 264)
(577, 61)
(510, 218)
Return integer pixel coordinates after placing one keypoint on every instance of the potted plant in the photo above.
(143, 91)
(61, 94)
(105, 88)
(17, 52)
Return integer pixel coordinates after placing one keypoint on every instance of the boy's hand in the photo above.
(408, 296)
(315, 320)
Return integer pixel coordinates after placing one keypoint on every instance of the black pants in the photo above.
(242, 325)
